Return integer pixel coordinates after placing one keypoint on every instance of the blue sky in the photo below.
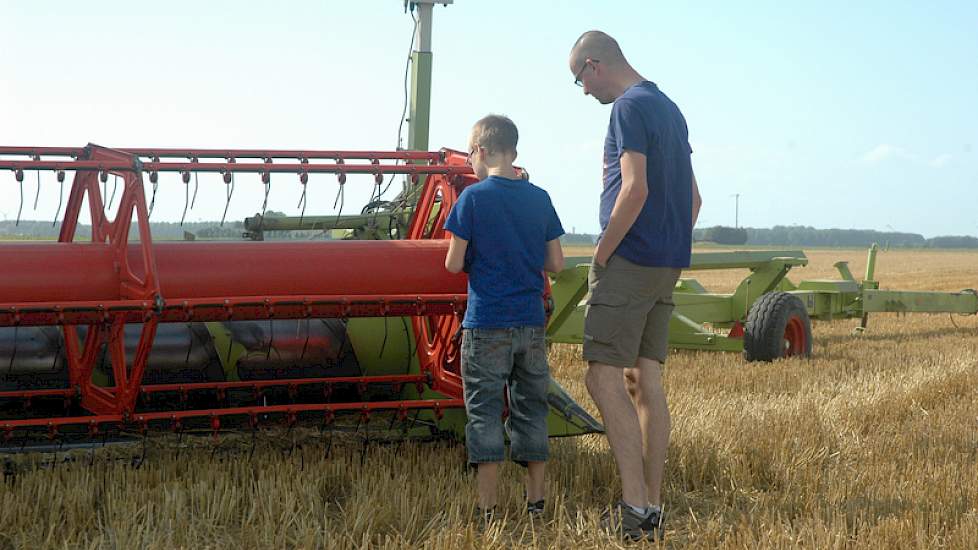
(830, 114)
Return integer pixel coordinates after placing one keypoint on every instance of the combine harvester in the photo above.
(116, 332)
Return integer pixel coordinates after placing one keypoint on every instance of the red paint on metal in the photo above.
(78, 272)
(795, 337)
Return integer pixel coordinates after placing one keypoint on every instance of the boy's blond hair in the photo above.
(495, 133)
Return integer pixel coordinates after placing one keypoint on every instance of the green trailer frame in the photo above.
(716, 321)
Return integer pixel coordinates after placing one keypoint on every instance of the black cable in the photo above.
(407, 70)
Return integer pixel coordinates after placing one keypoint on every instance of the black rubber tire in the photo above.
(767, 322)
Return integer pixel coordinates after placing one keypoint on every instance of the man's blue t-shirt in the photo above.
(644, 120)
(507, 224)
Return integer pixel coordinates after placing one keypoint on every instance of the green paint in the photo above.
(228, 350)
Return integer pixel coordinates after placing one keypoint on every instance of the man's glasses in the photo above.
(577, 77)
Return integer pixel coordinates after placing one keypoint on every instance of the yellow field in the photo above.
(871, 444)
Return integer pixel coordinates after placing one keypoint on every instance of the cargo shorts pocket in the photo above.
(603, 316)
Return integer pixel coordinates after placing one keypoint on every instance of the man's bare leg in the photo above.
(606, 385)
(645, 389)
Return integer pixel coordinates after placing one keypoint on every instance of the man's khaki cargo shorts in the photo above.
(628, 311)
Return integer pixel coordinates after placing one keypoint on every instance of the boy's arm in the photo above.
(697, 201)
(455, 259)
(555, 257)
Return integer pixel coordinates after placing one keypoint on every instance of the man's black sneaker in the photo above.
(653, 526)
(535, 509)
(628, 524)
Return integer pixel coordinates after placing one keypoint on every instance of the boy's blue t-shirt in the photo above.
(507, 224)
(644, 120)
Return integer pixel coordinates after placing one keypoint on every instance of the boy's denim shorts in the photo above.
(495, 359)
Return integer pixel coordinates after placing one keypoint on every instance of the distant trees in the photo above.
(582, 239)
(799, 235)
(779, 235)
(953, 241)
(722, 234)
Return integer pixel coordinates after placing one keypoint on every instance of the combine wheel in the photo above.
(777, 326)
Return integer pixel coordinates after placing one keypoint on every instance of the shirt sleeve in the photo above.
(459, 220)
(554, 228)
(688, 146)
(629, 128)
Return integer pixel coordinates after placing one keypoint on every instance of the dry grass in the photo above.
(872, 444)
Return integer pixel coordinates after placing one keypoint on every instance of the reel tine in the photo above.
(253, 420)
(91, 455)
(266, 180)
(185, 176)
(19, 176)
(37, 195)
(142, 457)
(179, 440)
(366, 440)
(61, 444)
(327, 421)
(196, 185)
(61, 196)
(115, 184)
(154, 178)
(9, 471)
(103, 177)
(305, 345)
(271, 338)
(405, 430)
(228, 189)
(303, 179)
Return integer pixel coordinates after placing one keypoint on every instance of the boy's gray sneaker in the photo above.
(620, 519)
(485, 517)
(535, 509)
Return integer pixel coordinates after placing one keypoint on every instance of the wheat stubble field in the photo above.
(873, 443)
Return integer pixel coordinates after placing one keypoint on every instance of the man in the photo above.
(648, 207)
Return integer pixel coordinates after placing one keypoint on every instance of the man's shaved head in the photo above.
(599, 46)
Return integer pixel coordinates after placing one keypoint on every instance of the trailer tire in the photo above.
(777, 326)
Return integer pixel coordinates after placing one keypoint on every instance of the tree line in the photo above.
(800, 235)
(779, 235)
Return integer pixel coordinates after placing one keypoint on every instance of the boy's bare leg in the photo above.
(535, 480)
(644, 385)
(486, 480)
(606, 385)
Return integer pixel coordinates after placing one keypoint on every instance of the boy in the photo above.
(505, 233)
